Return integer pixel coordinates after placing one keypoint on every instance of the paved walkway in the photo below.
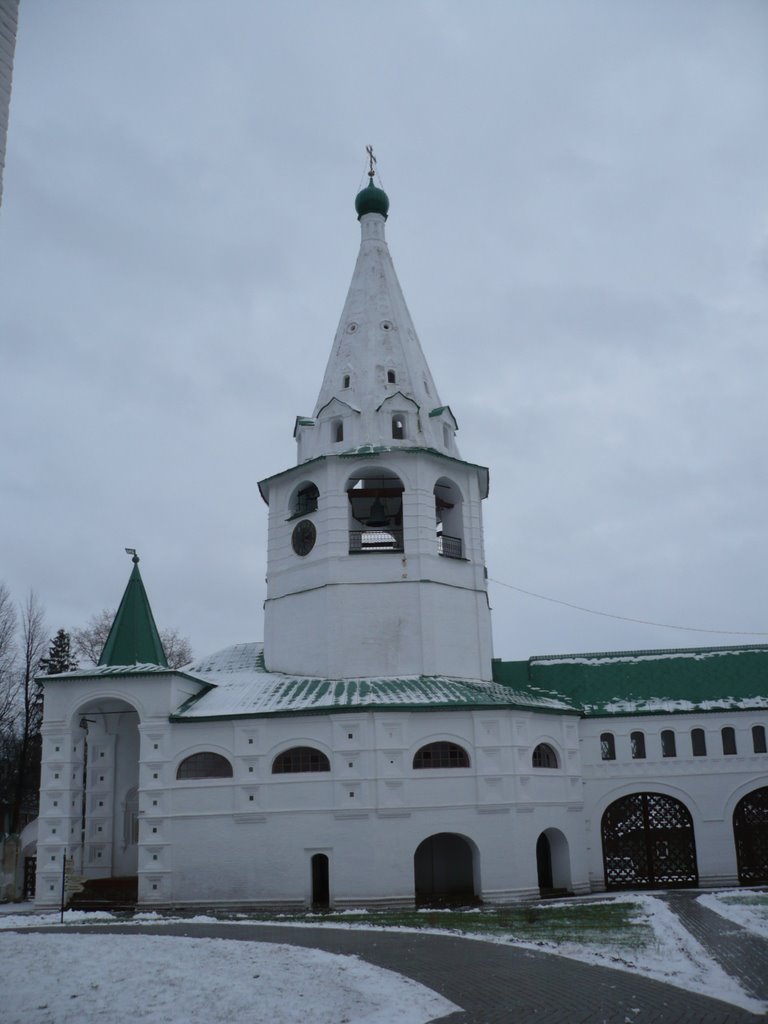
(740, 953)
(493, 984)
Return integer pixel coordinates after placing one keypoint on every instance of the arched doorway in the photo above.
(648, 843)
(553, 862)
(321, 890)
(444, 870)
(750, 833)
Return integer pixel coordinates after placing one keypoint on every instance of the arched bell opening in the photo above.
(553, 863)
(375, 511)
(446, 870)
(449, 519)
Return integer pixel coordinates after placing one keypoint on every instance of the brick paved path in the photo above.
(740, 953)
(494, 984)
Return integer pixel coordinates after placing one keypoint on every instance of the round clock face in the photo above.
(303, 537)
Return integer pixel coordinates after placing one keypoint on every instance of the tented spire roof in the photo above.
(376, 352)
(133, 637)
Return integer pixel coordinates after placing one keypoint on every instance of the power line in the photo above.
(626, 618)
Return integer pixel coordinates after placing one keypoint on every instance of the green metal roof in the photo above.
(133, 637)
(239, 686)
(646, 682)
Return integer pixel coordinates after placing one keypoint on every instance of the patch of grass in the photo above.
(612, 923)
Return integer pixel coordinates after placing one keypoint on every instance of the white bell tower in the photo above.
(375, 562)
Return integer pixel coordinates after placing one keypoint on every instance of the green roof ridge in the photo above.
(134, 638)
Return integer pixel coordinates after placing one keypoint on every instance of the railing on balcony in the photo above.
(364, 541)
(449, 547)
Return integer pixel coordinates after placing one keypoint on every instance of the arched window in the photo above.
(391, 377)
(441, 755)
(345, 380)
(698, 743)
(305, 500)
(607, 746)
(337, 430)
(668, 745)
(300, 759)
(206, 765)
(728, 734)
(637, 741)
(544, 756)
(398, 427)
(758, 739)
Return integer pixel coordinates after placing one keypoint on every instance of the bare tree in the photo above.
(178, 650)
(89, 641)
(33, 638)
(8, 678)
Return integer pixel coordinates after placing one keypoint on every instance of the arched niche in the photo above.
(553, 862)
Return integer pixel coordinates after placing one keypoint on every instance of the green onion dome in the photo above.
(371, 200)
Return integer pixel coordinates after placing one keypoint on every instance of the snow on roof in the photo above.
(241, 686)
(649, 682)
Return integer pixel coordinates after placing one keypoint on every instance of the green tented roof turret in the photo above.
(372, 199)
(133, 638)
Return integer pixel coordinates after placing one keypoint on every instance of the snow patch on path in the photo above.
(88, 979)
(738, 907)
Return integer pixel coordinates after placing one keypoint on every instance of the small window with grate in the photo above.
(300, 759)
(607, 746)
(728, 734)
(346, 380)
(544, 756)
(306, 500)
(698, 743)
(441, 755)
(391, 377)
(668, 744)
(206, 765)
(337, 431)
(637, 743)
(758, 739)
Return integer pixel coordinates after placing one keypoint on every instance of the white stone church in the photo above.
(372, 751)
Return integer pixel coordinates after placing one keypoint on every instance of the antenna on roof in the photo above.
(371, 162)
(132, 551)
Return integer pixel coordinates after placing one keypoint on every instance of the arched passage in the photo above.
(553, 862)
(648, 843)
(105, 789)
(750, 833)
(445, 869)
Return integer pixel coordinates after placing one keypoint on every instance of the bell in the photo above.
(378, 514)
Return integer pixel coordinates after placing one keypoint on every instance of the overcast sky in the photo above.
(579, 222)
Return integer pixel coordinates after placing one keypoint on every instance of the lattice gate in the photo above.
(750, 833)
(648, 843)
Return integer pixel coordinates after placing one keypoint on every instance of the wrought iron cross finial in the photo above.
(371, 161)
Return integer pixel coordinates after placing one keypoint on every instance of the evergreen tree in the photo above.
(60, 657)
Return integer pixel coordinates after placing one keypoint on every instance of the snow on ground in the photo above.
(750, 910)
(673, 957)
(88, 979)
